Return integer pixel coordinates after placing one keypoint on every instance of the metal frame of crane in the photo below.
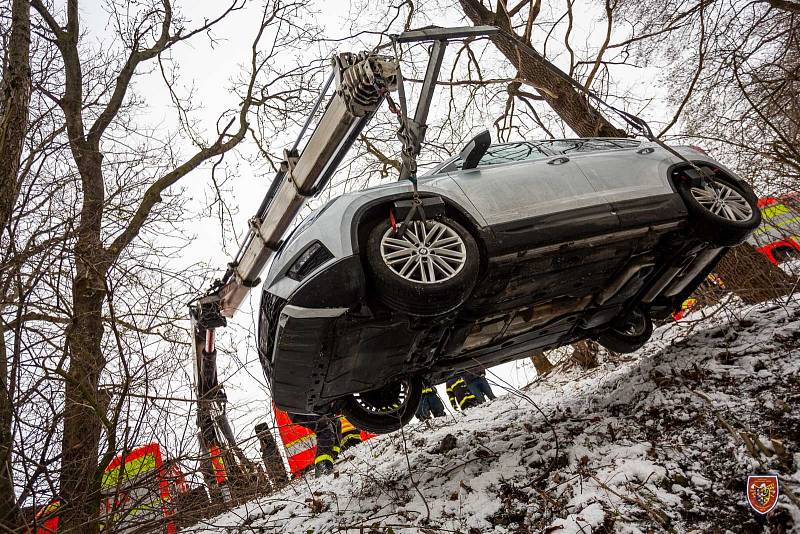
(363, 82)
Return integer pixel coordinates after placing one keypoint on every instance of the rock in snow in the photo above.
(661, 440)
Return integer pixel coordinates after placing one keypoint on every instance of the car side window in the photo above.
(572, 146)
(507, 153)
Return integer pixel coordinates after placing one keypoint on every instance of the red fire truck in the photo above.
(138, 489)
(778, 237)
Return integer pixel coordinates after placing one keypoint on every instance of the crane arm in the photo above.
(363, 81)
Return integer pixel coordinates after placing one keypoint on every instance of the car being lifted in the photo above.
(519, 247)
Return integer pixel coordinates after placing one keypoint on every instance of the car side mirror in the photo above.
(472, 153)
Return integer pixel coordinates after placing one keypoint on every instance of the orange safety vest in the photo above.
(218, 464)
(300, 443)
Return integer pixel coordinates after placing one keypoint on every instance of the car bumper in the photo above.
(302, 333)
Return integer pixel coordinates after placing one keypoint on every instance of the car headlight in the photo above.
(312, 257)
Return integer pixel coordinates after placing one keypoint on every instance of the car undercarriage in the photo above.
(530, 298)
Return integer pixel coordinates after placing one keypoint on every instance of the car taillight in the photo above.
(698, 149)
(312, 257)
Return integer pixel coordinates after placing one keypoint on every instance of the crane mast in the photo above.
(362, 82)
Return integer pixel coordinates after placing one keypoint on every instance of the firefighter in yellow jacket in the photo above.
(459, 394)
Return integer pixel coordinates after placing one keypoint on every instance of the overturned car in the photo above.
(519, 247)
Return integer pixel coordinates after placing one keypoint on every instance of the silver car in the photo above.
(520, 247)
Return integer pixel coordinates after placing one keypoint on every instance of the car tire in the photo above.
(717, 221)
(413, 292)
(384, 410)
(629, 334)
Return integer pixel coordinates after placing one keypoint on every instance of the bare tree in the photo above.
(14, 101)
(736, 94)
(88, 306)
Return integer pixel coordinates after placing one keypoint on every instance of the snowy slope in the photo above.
(661, 440)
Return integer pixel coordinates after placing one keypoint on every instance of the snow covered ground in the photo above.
(661, 440)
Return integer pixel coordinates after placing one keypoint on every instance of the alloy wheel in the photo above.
(723, 201)
(386, 400)
(634, 325)
(427, 253)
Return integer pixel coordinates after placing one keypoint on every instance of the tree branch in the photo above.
(785, 5)
(165, 41)
(153, 194)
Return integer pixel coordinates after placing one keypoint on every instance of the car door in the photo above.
(527, 194)
(631, 176)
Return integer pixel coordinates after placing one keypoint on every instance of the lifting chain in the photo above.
(408, 155)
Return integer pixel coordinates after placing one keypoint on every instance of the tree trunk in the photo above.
(14, 101)
(559, 94)
(80, 475)
(9, 513)
(541, 363)
(79, 484)
(752, 277)
(15, 94)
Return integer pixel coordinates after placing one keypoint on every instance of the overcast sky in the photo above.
(209, 70)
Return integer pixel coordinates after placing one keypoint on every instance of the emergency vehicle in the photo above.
(138, 488)
(778, 237)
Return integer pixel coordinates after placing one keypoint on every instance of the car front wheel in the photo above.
(629, 334)
(428, 269)
(385, 409)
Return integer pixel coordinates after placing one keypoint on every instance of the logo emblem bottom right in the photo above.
(762, 492)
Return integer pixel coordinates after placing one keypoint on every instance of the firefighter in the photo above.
(326, 428)
(459, 394)
(430, 405)
(273, 462)
(349, 435)
(479, 386)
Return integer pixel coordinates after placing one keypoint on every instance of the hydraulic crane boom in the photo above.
(363, 81)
